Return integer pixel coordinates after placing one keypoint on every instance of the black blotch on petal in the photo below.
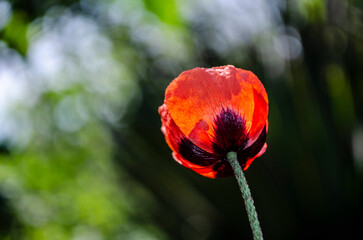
(229, 132)
(254, 149)
(229, 135)
(223, 169)
(195, 154)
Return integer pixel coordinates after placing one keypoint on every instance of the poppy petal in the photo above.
(174, 137)
(247, 155)
(255, 148)
(249, 161)
(195, 154)
(260, 112)
(169, 128)
(206, 171)
(198, 95)
(223, 169)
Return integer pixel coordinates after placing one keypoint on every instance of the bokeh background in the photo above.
(82, 156)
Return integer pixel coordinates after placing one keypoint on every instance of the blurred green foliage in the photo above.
(15, 32)
(165, 10)
(81, 151)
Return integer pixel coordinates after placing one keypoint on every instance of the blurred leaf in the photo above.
(313, 10)
(15, 33)
(165, 10)
(341, 95)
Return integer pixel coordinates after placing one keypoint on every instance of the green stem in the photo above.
(246, 194)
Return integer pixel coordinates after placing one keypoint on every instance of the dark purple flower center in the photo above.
(229, 135)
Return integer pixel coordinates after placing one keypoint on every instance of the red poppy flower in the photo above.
(208, 112)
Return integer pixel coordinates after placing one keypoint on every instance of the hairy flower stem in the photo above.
(246, 194)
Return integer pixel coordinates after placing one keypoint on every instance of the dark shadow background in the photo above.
(81, 151)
